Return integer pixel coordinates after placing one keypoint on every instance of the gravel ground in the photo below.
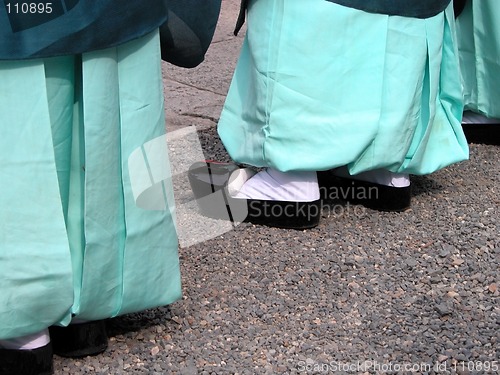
(364, 293)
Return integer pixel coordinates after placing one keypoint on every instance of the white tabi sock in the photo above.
(271, 184)
(378, 176)
(28, 342)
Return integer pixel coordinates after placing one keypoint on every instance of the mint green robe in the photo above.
(319, 85)
(73, 241)
(478, 31)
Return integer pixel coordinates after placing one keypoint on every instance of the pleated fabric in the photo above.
(35, 266)
(478, 34)
(319, 85)
(73, 240)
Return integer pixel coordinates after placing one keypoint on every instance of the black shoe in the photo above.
(209, 185)
(79, 340)
(480, 129)
(26, 362)
(369, 194)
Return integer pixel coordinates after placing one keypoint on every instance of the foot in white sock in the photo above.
(285, 200)
(271, 184)
(28, 342)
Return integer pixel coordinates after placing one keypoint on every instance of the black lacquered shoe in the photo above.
(209, 183)
(26, 362)
(369, 194)
(480, 129)
(79, 340)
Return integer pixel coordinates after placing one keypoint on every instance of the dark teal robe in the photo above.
(67, 27)
(405, 8)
